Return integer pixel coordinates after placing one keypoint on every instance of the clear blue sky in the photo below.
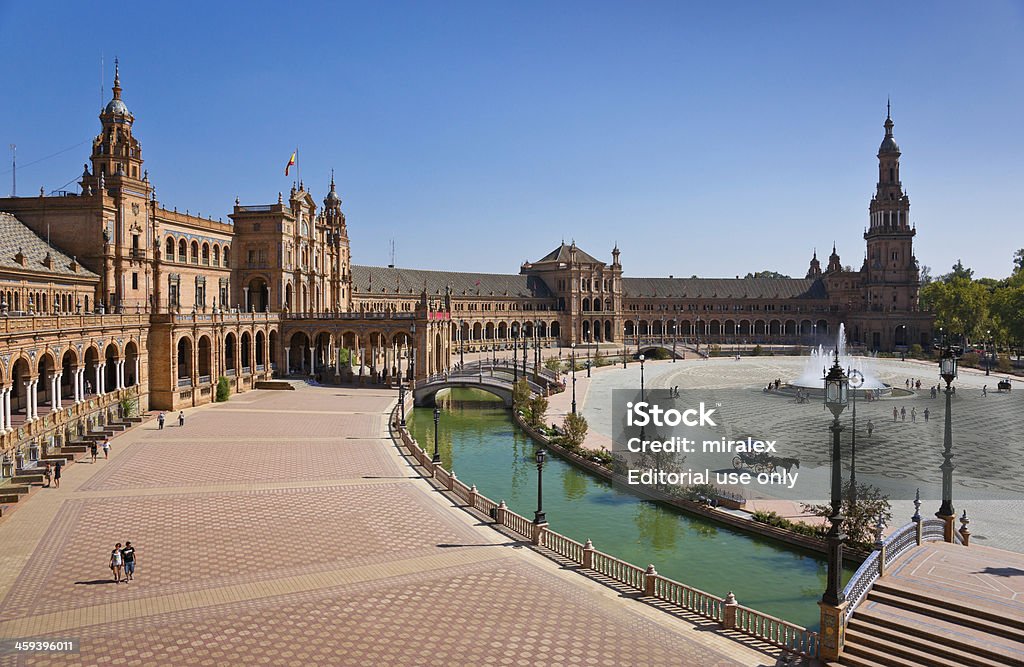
(705, 138)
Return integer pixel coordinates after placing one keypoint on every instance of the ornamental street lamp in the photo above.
(836, 399)
(573, 362)
(412, 361)
(698, 334)
(526, 345)
(588, 362)
(437, 419)
(947, 371)
(856, 380)
(988, 357)
(641, 391)
(462, 345)
(401, 403)
(515, 360)
(538, 516)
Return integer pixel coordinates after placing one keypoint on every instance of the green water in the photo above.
(479, 439)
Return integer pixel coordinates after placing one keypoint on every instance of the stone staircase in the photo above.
(904, 626)
(17, 487)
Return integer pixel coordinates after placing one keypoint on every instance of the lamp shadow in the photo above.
(1002, 571)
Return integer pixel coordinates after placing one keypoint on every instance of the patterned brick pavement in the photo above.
(282, 528)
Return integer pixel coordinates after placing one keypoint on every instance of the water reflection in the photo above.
(490, 452)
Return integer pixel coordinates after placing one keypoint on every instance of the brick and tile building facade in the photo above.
(109, 296)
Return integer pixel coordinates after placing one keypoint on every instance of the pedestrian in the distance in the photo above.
(106, 448)
(181, 418)
(128, 556)
(984, 390)
(913, 415)
(48, 476)
(871, 427)
(895, 413)
(116, 563)
(926, 414)
(56, 475)
(93, 450)
(903, 413)
(160, 421)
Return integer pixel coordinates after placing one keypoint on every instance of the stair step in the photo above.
(27, 479)
(19, 489)
(925, 598)
(9, 498)
(854, 654)
(75, 449)
(937, 631)
(976, 622)
(933, 655)
(948, 647)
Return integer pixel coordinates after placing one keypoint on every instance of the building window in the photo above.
(135, 280)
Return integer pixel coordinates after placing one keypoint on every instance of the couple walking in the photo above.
(122, 562)
(160, 419)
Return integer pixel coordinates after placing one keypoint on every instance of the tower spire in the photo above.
(117, 80)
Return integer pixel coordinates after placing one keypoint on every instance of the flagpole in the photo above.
(298, 169)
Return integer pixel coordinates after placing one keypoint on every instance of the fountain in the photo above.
(821, 359)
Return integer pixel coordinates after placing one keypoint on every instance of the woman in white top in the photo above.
(116, 563)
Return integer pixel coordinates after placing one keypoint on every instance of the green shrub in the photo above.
(916, 351)
(575, 428)
(553, 364)
(798, 527)
(536, 408)
(757, 351)
(223, 389)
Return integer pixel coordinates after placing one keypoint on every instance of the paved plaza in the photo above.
(899, 457)
(282, 528)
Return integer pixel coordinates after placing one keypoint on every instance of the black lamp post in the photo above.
(462, 345)
(988, 357)
(698, 334)
(412, 359)
(856, 380)
(401, 403)
(641, 357)
(538, 516)
(573, 362)
(515, 359)
(836, 399)
(675, 334)
(624, 351)
(588, 362)
(437, 419)
(526, 345)
(947, 371)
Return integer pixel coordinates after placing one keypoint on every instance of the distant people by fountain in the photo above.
(903, 413)
(913, 415)
(933, 392)
(871, 427)
(895, 414)
(926, 414)
(918, 385)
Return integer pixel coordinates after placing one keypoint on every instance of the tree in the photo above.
(959, 271)
(536, 408)
(575, 428)
(521, 395)
(862, 518)
(1018, 261)
(553, 364)
(926, 274)
(765, 274)
(223, 389)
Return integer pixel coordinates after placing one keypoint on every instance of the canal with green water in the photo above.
(484, 446)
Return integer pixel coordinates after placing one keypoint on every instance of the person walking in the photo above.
(116, 563)
(871, 427)
(106, 448)
(128, 556)
(160, 421)
(984, 390)
(181, 418)
(93, 450)
(895, 413)
(56, 475)
(913, 415)
(926, 414)
(903, 413)
(48, 476)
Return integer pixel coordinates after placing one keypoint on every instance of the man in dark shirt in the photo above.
(128, 556)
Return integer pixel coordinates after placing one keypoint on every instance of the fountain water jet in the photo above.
(821, 358)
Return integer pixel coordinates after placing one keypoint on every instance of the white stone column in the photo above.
(312, 364)
(98, 371)
(57, 392)
(7, 408)
(245, 290)
(120, 373)
(29, 385)
(138, 371)
(3, 412)
(80, 384)
(287, 360)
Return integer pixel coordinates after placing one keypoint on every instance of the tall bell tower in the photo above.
(892, 273)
